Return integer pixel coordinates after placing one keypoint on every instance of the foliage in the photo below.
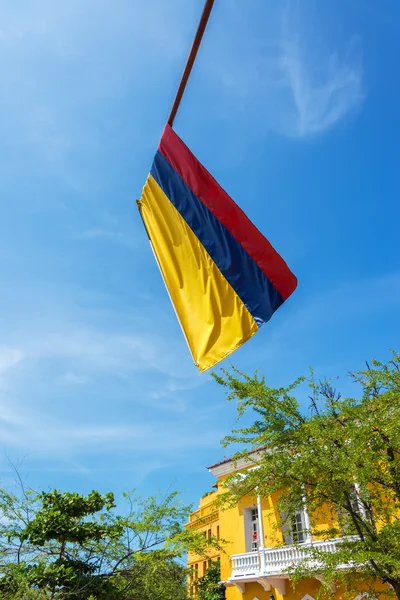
(58, 545)
(206, 494)
(342, 458)
(208, 585)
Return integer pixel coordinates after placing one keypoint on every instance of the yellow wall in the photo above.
(255, 590)
(323, 520)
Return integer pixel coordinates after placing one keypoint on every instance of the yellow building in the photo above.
(258, 551)
(205, 519)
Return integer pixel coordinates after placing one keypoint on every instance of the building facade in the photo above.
(259, 551)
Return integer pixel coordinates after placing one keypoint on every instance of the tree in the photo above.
(341, 458)
(65, 545)
(208, 585)
(155, 576)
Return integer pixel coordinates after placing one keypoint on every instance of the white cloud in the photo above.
(64, 355)
(95, 351)
(43, 435)
(279, 75)
(63, 62)
(323, 93)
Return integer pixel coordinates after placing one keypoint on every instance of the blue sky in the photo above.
(293, 106)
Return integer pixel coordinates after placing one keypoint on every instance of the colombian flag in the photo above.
(224, 278)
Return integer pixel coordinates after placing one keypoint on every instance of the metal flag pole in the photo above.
(190, 61)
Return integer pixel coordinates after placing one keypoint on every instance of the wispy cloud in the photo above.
(42, 435)
(279, 76)
(146, 368)
(62, 63)
(323, 93)
(96, 351)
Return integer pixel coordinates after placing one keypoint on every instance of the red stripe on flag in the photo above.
(208, 190)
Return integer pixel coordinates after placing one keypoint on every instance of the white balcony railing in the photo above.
(272, 562)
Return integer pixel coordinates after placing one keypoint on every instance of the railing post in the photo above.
(307, 521)
(261, 546)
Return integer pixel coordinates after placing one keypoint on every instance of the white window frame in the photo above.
(302, 534)
(251, 528)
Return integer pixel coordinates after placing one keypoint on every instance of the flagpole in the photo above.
(190, 61)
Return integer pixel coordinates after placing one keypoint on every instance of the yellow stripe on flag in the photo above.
(213, 317)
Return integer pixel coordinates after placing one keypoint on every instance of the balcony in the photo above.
(269, 567)
(202, 517)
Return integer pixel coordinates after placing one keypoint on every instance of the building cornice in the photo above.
(230, 465)
(201, 521)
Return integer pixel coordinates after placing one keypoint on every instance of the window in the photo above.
(294, 528)
(205, 534)
(251, 528)
(196, 571)
(209, 534)
(209, 563)
(298, 527)
(204, 567)
(254, 529)
(217, 532)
